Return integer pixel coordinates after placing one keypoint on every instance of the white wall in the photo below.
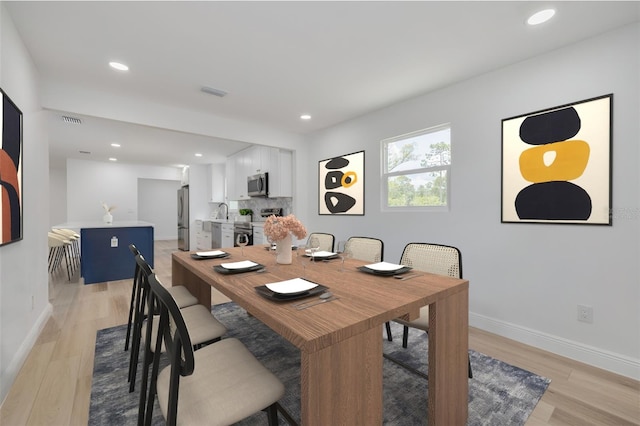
(526, 280)
(24, 305)
(158, 204)
(57, 196)
(90, 183)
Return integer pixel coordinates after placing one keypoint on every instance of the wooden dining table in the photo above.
(341, 340)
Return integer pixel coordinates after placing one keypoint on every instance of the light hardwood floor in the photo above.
(54, 385)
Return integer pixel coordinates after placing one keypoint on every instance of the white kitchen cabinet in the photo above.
(236, 173)
(258, 235)
(203, 237)
(280, 173)
(260, 159)
(217, 181)
(203, 240)
(227, 235)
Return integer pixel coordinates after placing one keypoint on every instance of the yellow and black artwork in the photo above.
(556, 164)
(341, 180)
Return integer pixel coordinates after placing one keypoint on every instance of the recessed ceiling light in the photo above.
(305, 117)
(119, 66)
(198, 154)
(113, 159)
(541, 17)
(115, 145)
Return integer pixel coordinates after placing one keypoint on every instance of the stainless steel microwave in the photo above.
(258, 185)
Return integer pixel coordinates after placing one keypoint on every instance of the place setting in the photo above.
(387, 269)
(320, 255)
(212, 254)
(295, 289)
(239, 267)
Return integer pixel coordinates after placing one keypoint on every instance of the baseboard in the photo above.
(616, 363)
(19, 359)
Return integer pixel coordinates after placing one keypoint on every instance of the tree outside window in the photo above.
(416, 170)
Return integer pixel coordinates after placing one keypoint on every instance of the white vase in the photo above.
(107, 218)
(283, 250)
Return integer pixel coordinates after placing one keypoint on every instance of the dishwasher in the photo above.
(216, 235)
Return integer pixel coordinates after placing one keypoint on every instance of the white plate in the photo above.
(211, 253)
(384, 266)
(321, 253)
(239, 265)
(296, 285)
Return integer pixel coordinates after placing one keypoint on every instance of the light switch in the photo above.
(114, 241)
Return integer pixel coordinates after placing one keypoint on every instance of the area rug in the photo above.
(499, 393)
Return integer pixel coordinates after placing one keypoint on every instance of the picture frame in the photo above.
(11, 158)
(341, 185)
(557, 165)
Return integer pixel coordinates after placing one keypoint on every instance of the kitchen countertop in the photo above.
(100, 224)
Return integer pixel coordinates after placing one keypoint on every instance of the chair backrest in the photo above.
(326, 240)
(134, 249)
(435, 258)
(365, 248)
(143, 271)
(172, 330)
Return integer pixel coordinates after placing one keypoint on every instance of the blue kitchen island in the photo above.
(104, 248)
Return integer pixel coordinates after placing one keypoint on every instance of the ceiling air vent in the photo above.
(215, 92)
(71, 120)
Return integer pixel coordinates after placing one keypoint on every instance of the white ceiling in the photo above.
(277, 60)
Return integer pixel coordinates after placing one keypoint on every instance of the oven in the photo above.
(242, 228)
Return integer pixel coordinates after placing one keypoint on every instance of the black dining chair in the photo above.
(203, 326)
(219, 384)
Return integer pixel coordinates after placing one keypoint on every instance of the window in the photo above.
(416, 169)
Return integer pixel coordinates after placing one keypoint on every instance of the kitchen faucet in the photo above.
(226, 211)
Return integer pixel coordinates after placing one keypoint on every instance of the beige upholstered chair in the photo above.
(434, 258)
(203, 327)
(365, 248)
(326, 240)
(219, 384)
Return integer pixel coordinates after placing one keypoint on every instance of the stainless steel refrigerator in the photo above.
(183, 218)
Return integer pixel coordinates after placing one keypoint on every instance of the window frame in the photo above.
(385, 175)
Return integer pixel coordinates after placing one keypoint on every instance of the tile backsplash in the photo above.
(256, 204)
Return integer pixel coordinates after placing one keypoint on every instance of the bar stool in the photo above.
(59, 248)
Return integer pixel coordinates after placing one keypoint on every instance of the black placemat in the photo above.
(225, 271)
(264, 291)
(385, 273)
(217, 256)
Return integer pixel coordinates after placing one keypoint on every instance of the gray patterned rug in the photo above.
(499, 393)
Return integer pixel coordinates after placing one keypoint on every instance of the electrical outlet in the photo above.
(585, 314)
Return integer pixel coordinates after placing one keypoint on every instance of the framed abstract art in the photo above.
(10, 172)
(556, 164)
(341, 180)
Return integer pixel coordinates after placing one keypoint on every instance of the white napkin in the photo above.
(210, 253)
(239, 265)
(295, 285)
(384, 266)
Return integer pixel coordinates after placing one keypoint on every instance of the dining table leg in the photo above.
(448, 360)
(341, 384)
(196, 286)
